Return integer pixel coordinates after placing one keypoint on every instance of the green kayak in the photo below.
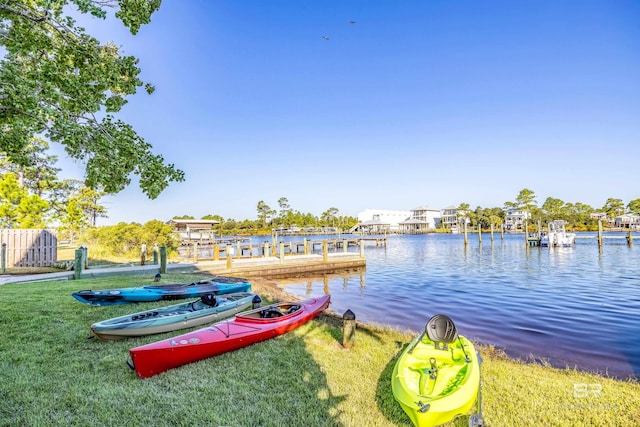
(437, 377)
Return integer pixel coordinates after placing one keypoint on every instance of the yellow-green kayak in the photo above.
(437, 377)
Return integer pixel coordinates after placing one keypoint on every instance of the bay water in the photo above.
(576, 307)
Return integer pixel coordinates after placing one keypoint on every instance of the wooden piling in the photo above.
(143, 253)
(325, 251)
(600, 233)
(163, 259)
(77, 266)
(348, 329)
(281, 253)
(466, 241)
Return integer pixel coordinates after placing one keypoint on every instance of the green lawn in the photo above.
(51, 373)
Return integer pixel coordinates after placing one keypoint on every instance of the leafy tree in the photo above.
(464, 213)
(283, 202)
(18, 208)
(554, 208)
(74, 220)
(526, 200)
(328, 217)
(613, 207)
(214, 218)
(59, 82)
(40, 177)
(183, 217)
(633, 207)
(264, 213)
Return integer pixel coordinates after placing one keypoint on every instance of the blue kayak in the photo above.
(217, 285)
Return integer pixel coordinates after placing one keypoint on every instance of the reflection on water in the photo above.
(571, 306)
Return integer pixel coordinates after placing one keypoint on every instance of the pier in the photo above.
(243, 248)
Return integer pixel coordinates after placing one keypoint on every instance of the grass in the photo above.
(52, 374)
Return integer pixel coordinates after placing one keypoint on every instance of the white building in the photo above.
(515, 219)
(392, 218)
(629, 221)
(423, 219)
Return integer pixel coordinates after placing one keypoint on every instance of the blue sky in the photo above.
(416, 103)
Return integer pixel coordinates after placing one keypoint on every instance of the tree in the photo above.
(74, 220)
(18, 208)
(633, 207)
(283, 202)
(264, 213)
(554, 208)
(463, 214)
(328, 217)
(183, 217)
(526, 200)
(613, 207)
(59, 82)
(40, 177)
(87, 200)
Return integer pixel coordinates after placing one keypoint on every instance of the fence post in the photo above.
(163, 259)
(143, 253)
(4, 257)
(155, 254)
(77, 267)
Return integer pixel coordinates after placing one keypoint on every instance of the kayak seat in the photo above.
(294, 308)
(441, 330)
(209, 299)
(271, 313)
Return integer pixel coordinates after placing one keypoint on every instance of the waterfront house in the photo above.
(194, 229)
(422, 220)
(451, 217)
(515, 219)
(380, 219)
(629, 221)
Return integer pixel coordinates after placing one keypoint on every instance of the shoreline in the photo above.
(274, 291)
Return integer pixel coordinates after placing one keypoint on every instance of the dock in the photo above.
(242, 248)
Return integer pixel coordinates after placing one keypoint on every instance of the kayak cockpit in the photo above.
(271, 313)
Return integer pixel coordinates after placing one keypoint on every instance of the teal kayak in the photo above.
(208, 309)
(217, 285)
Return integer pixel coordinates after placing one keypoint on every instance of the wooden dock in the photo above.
(216, 250)
(284, 259)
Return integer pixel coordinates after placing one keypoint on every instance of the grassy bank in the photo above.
(52, 374)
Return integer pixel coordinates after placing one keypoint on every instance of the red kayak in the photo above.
(245, 329)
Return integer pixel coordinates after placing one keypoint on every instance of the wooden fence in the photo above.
(29, 247)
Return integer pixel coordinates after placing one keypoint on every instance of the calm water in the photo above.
(570, 306)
